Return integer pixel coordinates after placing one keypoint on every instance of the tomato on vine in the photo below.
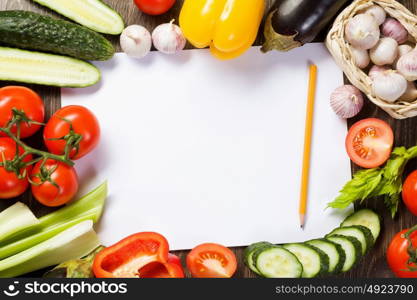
(402, 254)
(74, 128)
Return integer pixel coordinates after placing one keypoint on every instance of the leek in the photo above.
(89, 207)
(16, 218)
(75, 242)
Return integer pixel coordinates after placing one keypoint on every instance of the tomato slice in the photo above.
(211, 261)
(369, 143)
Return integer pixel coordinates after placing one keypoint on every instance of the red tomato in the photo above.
(83, 123)
(63, 187)
(369, 143)
(10, 185)
(154, 7)
(409, 192)
(211, 261)
(398, 256)
(25, 100)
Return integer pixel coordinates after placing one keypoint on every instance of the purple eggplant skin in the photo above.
(293, 23)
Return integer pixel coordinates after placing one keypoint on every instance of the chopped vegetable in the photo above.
(75, 242)
(16, 218)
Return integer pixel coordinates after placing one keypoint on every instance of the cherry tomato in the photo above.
(83, 123)
(61, 188)
(409, 192)
(369, 142)
(211, 261)
(25, 100)
(10, 184)
(154, 7)
(398, 256)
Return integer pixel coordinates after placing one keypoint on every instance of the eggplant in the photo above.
(293, 23)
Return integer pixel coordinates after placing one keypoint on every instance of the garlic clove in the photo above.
(394, 29)
(407, 65)
(389, 85)
(362, 31)
(377, 12)
(385, 52)
(168, 38)
(376, 70)
(360, 57)
(346, 101)
(410, 94)
(136, 41)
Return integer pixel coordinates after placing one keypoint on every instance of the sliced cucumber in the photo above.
(93, 14)
(47, 69)
(363, 234)
(367, 218)
(315, 262)
(277, 262)
(352, 248)
(248, 255)
(334, 251)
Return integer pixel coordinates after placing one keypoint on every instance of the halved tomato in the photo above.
(369, 143)
(211, 261)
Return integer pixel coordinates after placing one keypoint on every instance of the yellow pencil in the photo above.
(307, 143)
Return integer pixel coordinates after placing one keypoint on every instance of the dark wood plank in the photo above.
(405, 134)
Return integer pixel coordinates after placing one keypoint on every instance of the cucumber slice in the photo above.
(363, 234)
(334, 251)
(367, 218)
(277, 262)
(93, 14)
(352, 248)
(315, 262)
(248, 255)
(47, 69)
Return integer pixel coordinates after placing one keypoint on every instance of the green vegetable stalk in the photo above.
(370, 183)
(15, 219)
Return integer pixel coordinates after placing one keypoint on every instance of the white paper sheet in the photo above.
(203, 150)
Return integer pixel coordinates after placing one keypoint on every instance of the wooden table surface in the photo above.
(374, 265)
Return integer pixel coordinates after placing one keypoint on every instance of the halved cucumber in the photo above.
(363, 234)
(248, 255)
(93, 14)
(315, 262)
(364, 217)
(277, 262)
(352, 248)
(334, 251)
(47, 69)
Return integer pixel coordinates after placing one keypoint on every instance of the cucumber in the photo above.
(248, 255)
(47, 69)
(363, 234)
(29, 30)
(367, 218)
(93, 14)
(276, 262)
(334, 251)
(352, 248)
(315, 262)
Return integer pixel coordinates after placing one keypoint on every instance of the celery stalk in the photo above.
(75, 242)
(16, 218)
(89, 207)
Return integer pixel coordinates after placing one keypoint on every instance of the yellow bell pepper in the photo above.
(229, 27)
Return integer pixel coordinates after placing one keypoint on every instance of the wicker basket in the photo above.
(340, 50)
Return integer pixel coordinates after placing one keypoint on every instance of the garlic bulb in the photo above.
(394, 29)
(168, 38)
(375, 70)
(389, 85)
(385, 52)
(410, 94)
(360, 57)
(362, 31)
(377, 12)
(407, 65)
(136, 41)
(402, 50)
(346, 101)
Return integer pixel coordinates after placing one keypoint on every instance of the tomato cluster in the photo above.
(71, 133)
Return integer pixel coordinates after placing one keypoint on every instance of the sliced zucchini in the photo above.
(334, 251)
(47, 69)
(363, 234)
(277, 262)
(352, 248)
(315, 262)
(93, 14)
(248, 255)
(364, 217)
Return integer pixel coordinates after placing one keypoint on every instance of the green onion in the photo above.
(16, 218)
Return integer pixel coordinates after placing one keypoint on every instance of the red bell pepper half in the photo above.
(141, 255)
